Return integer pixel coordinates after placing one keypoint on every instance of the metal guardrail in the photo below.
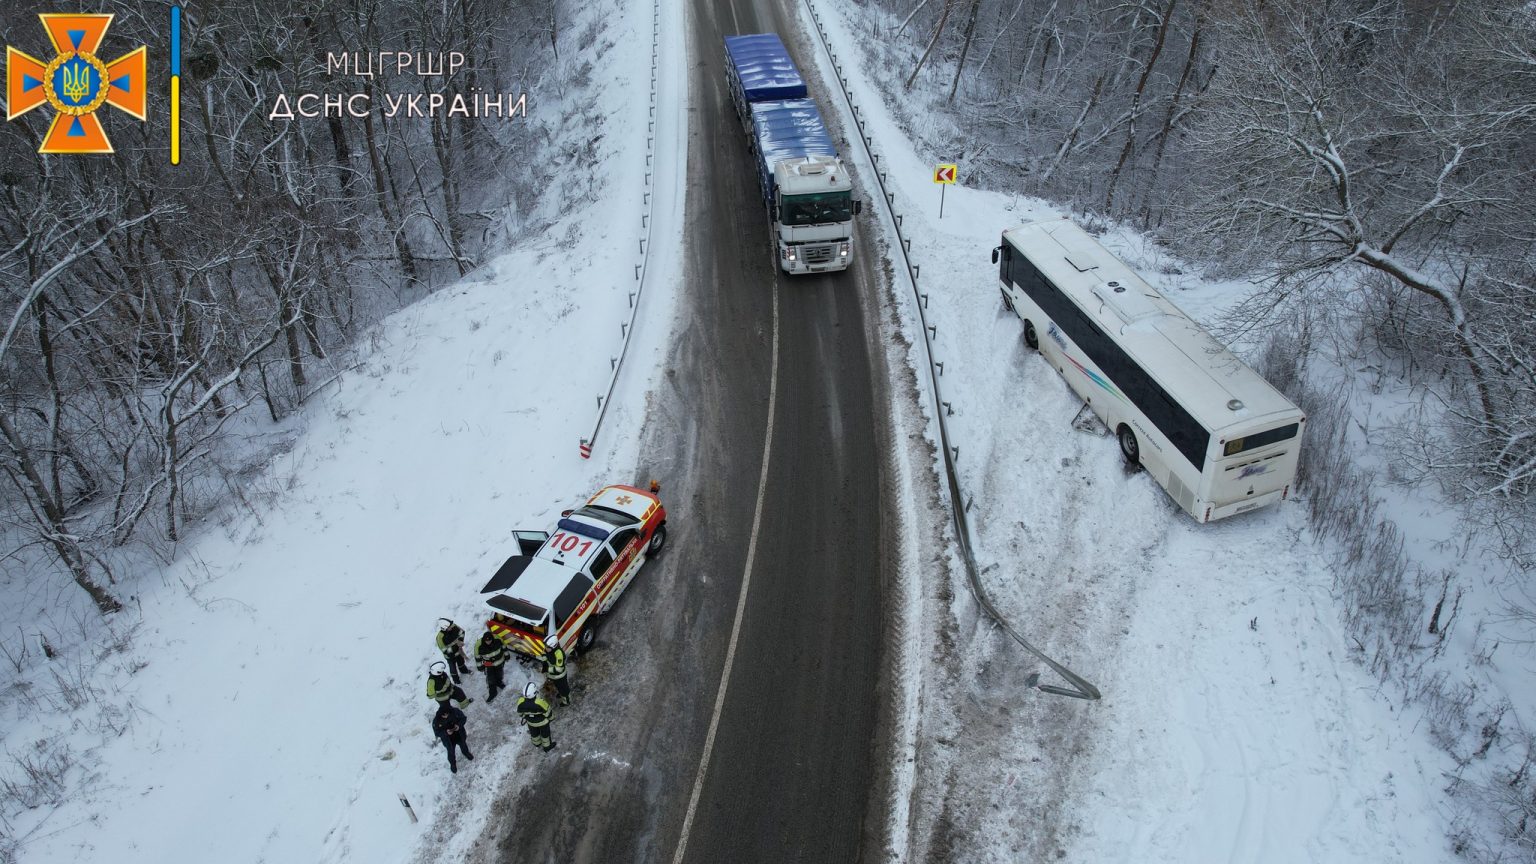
(1080, 688)
(627, 329)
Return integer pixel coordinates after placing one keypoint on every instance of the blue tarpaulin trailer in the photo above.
(760, 70)
(770, 97)
(788, 129)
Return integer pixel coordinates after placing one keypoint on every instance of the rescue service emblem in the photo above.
(76, 83)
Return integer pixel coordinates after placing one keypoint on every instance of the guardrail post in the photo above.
(939, 364)
(949, 411)
(933, 331)
(915, 269)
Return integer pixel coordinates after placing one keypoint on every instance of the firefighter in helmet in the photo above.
(554, 668)
(440, 689)
(534, 712)
(450, 641)
(491, 654)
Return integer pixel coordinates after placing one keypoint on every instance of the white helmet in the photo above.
(532, 690)
(553, 641)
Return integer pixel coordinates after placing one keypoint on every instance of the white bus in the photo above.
(1213, 433)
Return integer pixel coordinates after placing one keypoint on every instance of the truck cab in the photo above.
(813, 210)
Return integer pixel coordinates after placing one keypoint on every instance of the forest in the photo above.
(147, 305)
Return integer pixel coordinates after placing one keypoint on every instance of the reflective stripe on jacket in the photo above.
(494, 654)
(433, 691)
(535, 711)
(554, 663)
(450, 641)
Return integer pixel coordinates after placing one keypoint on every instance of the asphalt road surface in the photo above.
(796, 768)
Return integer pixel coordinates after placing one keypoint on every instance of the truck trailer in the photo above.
(806, 190)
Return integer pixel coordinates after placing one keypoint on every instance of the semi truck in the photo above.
(806, 190)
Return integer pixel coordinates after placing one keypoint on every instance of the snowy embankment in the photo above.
(275, 690)
(1236, 724)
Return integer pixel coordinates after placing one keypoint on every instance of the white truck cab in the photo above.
(813, 212)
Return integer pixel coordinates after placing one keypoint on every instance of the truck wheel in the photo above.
(588, 638)
(1031, 339)
(658, 540)
(1129, 448)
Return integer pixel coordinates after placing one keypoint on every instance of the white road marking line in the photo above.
(741, 600)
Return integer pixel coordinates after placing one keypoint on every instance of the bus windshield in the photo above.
(817, 208)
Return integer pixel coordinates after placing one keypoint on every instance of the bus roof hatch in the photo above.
(1128, 304)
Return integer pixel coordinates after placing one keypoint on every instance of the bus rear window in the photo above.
(1260, 439)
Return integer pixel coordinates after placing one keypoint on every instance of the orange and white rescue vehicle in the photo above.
(565, 582)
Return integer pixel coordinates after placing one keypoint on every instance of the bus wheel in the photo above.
(1128, 446)
(588, 638)
(1007, 302)
(1030, 339)
(658, 540)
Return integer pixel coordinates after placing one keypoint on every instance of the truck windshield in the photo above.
(813, 209)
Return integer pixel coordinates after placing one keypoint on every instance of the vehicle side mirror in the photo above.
(858, 207)
(996, 250)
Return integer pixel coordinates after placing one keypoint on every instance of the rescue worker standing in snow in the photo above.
(448, 726)
(450, 641)
(491, 654)
(441, 689)
(554, 668)
(535, 713)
